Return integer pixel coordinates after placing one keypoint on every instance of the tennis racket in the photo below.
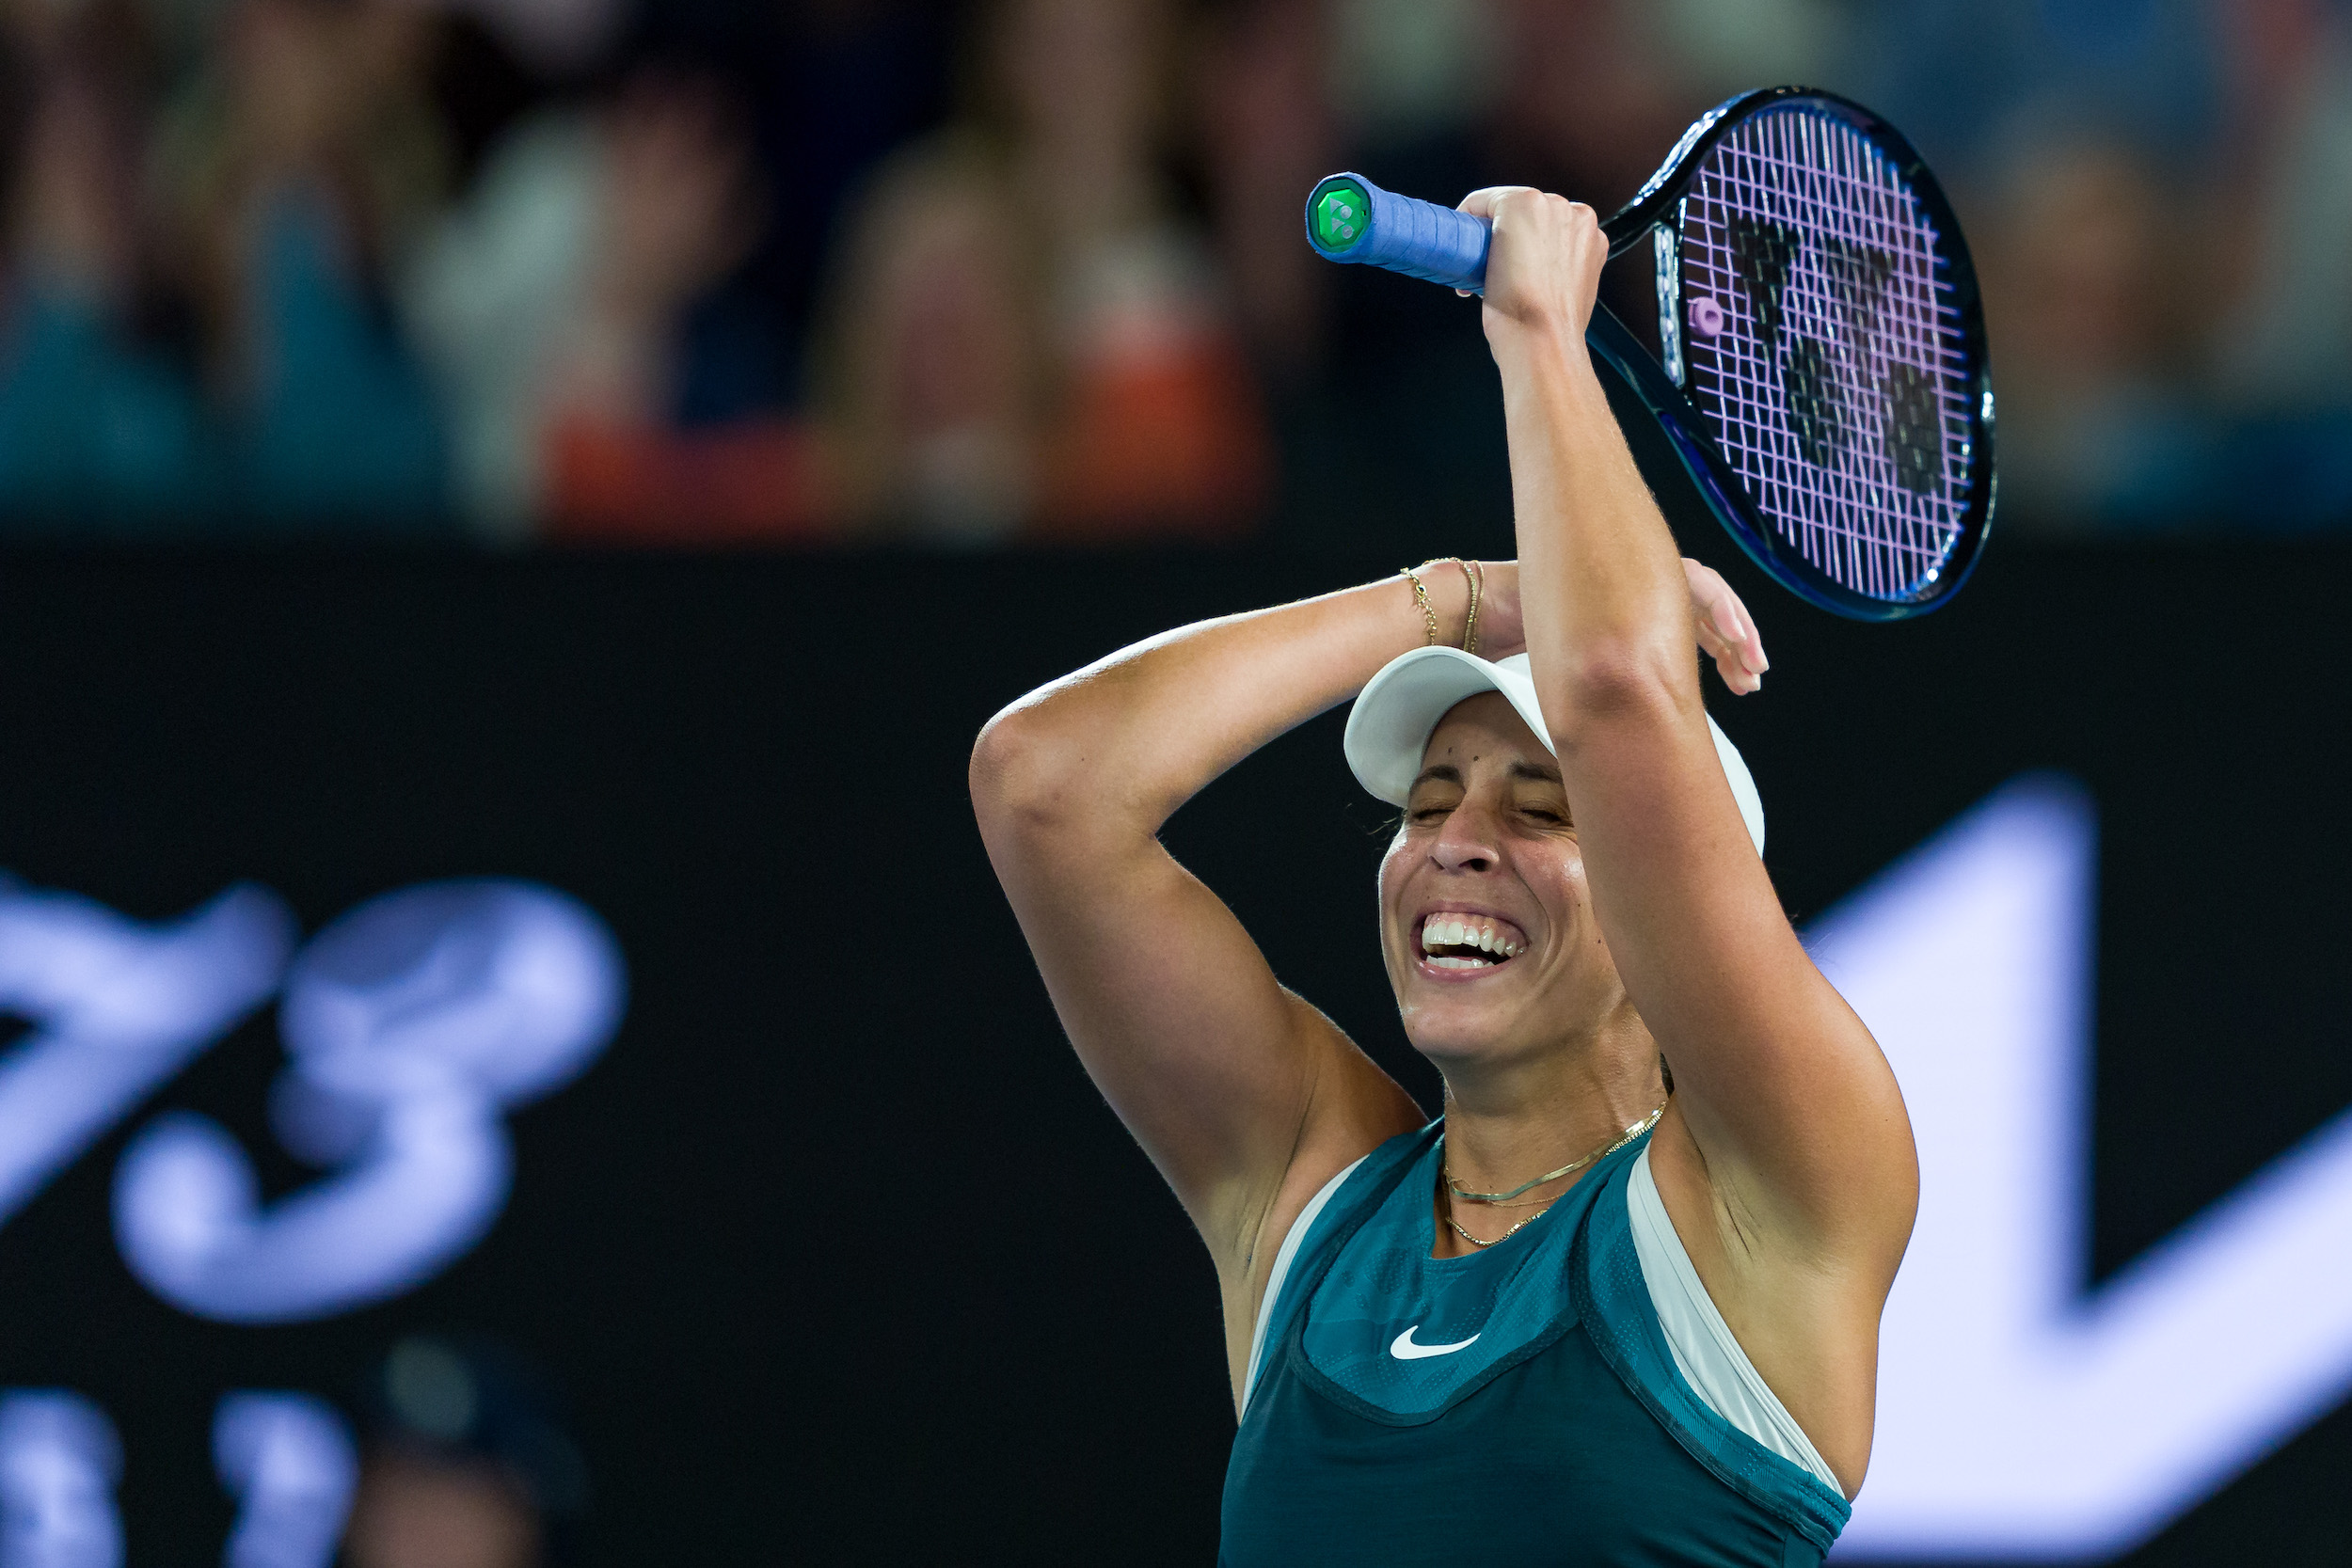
(1824, 382)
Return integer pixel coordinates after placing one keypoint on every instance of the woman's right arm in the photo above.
(1229, 1082)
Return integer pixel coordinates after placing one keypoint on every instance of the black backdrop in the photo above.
(753, 770)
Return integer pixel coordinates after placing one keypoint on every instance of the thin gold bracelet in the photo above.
(1421, 597)
(1477, 576)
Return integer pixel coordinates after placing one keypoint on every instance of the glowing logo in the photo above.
(287, 1458)
(413, 1024)
(290, 1462)
(118, 1010)
(2019, 1415)
(59, 1460)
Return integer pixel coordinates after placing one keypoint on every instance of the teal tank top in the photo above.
(1514, 1408)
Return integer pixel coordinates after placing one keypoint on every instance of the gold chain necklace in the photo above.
(1501, 1200)
(1499, 1240)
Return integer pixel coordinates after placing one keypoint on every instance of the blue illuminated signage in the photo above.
(117, 1009)
(412, 1024)
(59, 1460)
(287, 1460)
(2020, 1415)
(290, 1463)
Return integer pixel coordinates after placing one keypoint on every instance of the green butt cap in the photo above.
(1341, 213)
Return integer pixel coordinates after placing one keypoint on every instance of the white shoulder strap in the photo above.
(1281, 1272)
(1705, 1353)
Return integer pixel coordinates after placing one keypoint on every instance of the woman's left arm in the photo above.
(1789, 1115)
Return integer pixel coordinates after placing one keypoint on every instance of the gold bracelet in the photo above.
(1477, 576)
(1421, 597)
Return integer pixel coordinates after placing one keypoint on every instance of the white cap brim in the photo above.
(1390, 726)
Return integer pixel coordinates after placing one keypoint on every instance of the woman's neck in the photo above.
(1508, 1122)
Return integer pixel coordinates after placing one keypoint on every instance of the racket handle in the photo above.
(1351, 219)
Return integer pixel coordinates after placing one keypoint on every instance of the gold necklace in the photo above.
(1522, 1203)
(1499, 1240)
(1493, 1201)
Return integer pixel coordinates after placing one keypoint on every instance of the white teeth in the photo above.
(1441, 930)
(1460, 963)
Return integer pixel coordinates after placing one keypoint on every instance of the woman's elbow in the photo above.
(1608, 684)
(1022, 776)
(1003, 763)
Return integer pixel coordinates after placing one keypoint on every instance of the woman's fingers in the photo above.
(1481, 203)
(1736, 676)
(1726, 629)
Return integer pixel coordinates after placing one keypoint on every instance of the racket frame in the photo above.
(1654, 214)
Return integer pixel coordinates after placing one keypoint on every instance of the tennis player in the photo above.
(1620, 1303)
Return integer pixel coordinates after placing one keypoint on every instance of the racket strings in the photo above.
(1838, 381)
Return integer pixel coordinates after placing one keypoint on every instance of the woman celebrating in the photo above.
(1620, 1303)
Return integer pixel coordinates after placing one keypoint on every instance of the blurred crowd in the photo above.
(964, 273)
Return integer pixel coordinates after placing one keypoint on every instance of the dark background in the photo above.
(753, 770)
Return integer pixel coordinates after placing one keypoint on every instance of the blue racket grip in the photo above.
(1351, 219)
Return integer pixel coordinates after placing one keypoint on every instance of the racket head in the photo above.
(1819, 313)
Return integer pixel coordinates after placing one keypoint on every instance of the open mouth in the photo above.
(1454, 941)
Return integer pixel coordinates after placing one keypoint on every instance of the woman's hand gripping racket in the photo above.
(1823, 381)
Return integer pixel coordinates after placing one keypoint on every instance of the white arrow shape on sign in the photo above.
(2020, 1415)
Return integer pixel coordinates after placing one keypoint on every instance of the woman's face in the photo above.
(1485, 921)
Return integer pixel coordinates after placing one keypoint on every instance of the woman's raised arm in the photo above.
(1788, 1130)
(1237, 1090)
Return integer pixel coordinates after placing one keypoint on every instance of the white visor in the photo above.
(1389, 727)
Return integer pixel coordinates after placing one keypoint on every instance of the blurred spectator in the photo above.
(555, 39)
(2160, 199)
(836, 87)
(617, 314)
(325, 264)
(465, 1465)
(294, 171)
(1022, 335)
(1965, 78)
(934, 382)
(101, 427)
(553, 305)
(1589, 97)
(2283, 342)
(2090, 276)
(1267, 133)
(2286, 339)
(1727, 46)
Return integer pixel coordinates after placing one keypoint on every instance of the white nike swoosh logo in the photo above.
(1403, 1349)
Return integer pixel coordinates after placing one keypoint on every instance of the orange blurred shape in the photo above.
(1168, 446)
(1171, 445)
(752, 483)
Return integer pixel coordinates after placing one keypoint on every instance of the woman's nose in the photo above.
(1465, 844)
